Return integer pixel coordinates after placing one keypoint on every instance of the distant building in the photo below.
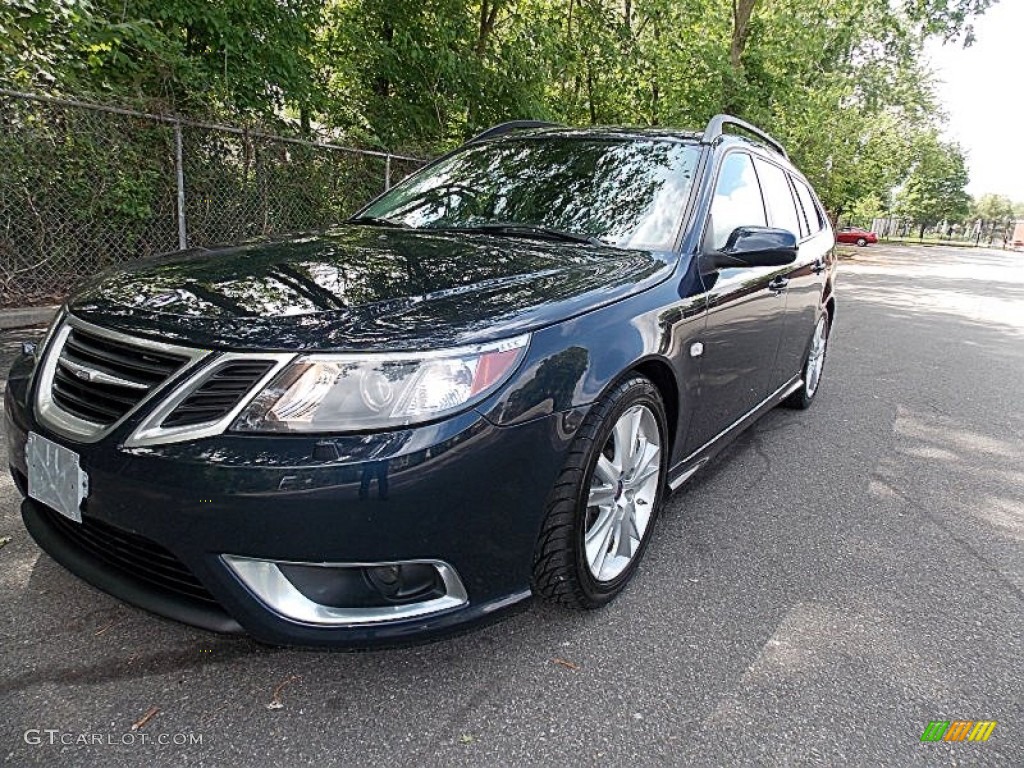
(1017, 240)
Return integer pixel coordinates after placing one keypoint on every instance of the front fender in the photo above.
(571, 364)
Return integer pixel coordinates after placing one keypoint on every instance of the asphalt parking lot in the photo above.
(835, 581)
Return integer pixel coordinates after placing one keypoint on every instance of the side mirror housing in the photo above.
(754, 247)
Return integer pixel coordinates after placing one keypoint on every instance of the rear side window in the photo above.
(815, 220)
(737, 200)
(778, 198)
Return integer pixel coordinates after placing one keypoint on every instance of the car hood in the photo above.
(360, 288)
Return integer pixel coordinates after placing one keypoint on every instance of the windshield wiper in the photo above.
(528, 230)
(377, 221)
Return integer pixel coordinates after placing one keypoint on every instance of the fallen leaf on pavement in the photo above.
(567, 664)
(275, 700)
(103, 629)
(150, 714)
(4, 540)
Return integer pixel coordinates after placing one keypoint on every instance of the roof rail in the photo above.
(511, 125)
(716, 125)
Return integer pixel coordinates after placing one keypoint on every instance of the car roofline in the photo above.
(599, 132)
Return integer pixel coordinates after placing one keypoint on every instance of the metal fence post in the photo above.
(387, 173)
(179, 173)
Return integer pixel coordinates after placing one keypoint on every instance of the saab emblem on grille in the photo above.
(161, 300)
(84, 373)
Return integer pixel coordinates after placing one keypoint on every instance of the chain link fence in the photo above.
(980, 232)
(84, 187)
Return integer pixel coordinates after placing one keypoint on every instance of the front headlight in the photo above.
(358, 392)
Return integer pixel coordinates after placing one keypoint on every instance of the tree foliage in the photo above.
(934, 190)
(996, 208)
(240, 56)
(839, 81)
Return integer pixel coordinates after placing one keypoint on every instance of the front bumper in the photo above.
(463, 492)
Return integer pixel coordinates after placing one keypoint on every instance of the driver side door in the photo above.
(746, 310)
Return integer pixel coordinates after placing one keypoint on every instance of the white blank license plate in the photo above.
(55, 477)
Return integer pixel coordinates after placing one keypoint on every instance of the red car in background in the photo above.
(856, 235)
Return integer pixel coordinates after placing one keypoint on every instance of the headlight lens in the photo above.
(353, 392)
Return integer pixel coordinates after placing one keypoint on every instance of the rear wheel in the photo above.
(861, 242)
(602, 510)
(814, 367)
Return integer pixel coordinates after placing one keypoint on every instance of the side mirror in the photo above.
(754, 247)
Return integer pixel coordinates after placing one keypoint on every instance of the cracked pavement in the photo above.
(833, 582)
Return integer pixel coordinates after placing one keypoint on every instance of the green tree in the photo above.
(991, 207)
(193, 56)
(840, 81)
(934, 190)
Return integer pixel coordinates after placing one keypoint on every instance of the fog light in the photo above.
(404, 582)
(351, 593)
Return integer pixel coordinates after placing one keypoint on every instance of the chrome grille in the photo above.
(100, 381)
(92, 378)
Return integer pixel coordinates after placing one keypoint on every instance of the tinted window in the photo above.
(778, 198)
(737, 200)
(628, 193)
(805, 227)
(811, 211)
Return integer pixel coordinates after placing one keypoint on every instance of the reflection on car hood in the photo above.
(364, 288)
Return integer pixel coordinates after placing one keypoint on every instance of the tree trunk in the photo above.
(590, 94)
(741, 13)
(655, 87)
(381, 84)
(488, 17)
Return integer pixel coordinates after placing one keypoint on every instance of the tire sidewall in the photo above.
(641, 393)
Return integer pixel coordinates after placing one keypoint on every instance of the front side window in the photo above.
(626, 192)
(737, 201)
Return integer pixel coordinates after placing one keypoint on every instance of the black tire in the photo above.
(560, 570)
(861, 242)
(801, 399)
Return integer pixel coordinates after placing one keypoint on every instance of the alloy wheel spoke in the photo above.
(625, 434)
(601, 551)
(648, 466)
(601, 496)
(599, 536)
(606, 471)
(623, 542)
(638, 456)
(633, 530)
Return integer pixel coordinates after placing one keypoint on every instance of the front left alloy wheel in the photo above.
(606, 499)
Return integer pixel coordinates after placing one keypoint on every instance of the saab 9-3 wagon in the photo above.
(479, 388)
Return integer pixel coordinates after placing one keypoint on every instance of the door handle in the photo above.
(778, 284)
(819, 267)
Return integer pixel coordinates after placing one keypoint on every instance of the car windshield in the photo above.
(624, 192)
